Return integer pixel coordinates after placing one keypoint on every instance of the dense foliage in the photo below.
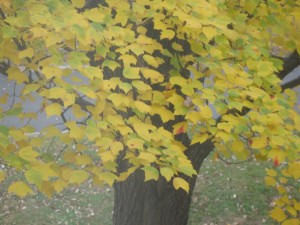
(151, 72)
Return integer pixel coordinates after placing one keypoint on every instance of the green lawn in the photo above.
(224, 194)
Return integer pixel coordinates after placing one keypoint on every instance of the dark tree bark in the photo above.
(156, 203)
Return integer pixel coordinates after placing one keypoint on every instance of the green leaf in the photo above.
(9, 31)
(4, 140)
(151, 173)
(187, 170)
(34, 177)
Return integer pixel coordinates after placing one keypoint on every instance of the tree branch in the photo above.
(291, 84)
(289, 64)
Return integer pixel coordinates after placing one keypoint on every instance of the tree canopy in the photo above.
(153, 72)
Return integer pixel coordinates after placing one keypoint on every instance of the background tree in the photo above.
(163, 84)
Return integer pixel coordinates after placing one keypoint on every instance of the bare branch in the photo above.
(289, 64)
(292, 83)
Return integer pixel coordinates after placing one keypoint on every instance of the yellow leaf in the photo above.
(38, 32)
(108, 177)
(75, 131)
(187, 89)
(115, 119)
(107, 156)
(179, 128)
(153, 75)
(15, 74)
(142, 107)
(151, 60)
(78, 176)
(68, 99)
(194, 116)
(277, 155)
(135, 143)
(29, 52)
(53, 109)
(209, 32)
(237, 146)
(92, 72)
(205, 112)
(140, 85)
(259, 142)
(83, 160)
(178, 182)
(142, 130)
(45, 170)
(291, 222)
(199, 138)
(225, 126)
(270, 181)
(147, 156)
(60, 185)
(169, 34)
(51, 71)
(271, 172)
(28, 154)
(88, 92)
(116, 147)
(19, 188)
(165, 114)
(50, 38)
(167, 173)
(30, 88)
(297, 205)
(57, 92)
(118, 99)
(131, 72)
(78, 3)
(291, 210)
(94, 15)
(78, 113)
(69, 156)
(128, 59)
(278, 214)
(151, 173)
(178, 80)
(2, 176)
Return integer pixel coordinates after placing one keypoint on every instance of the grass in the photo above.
(231, 194)
(224, 194)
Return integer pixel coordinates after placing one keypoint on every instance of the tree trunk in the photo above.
(156, 203)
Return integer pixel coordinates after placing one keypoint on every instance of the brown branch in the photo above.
(289, 64)
(234, 163)
(291, 84)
